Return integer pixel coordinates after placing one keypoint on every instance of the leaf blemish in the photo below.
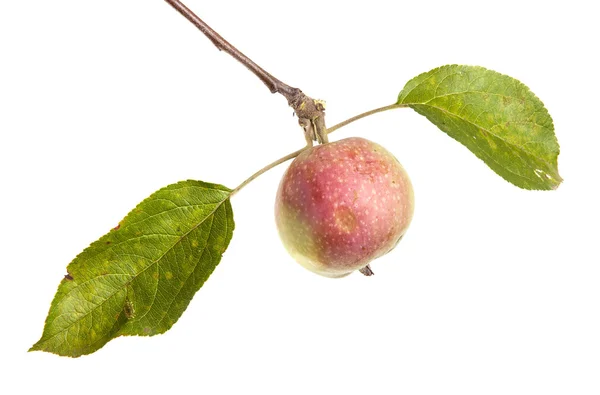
(128, 309)
(540, 173)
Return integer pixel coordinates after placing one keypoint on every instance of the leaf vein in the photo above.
(173, 246)
(489, 132)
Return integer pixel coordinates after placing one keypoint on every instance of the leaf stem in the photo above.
(267, 168)
(363, 115)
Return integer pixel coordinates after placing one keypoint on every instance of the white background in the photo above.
(494, 290)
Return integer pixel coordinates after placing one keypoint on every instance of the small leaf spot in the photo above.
(540, 173)
(129, 310)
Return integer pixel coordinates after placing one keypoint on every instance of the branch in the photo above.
(310, 112)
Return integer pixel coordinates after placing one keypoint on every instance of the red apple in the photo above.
(342, 204)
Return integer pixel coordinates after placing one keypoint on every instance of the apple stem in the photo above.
(310, 112)
(367, 271)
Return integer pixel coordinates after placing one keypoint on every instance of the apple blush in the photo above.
(342, 204)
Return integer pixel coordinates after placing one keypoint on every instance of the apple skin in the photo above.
(342, 204)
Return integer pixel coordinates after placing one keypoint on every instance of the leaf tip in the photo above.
(35, 347)
(557, 183)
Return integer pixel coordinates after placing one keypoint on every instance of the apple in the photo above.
(342, 204)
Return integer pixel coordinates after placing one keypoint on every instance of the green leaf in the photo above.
(495, 116)
(139, 278)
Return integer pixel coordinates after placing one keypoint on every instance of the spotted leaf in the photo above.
(140, 277)
(495, 116)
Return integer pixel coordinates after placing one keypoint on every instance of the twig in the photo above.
(310, 112)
